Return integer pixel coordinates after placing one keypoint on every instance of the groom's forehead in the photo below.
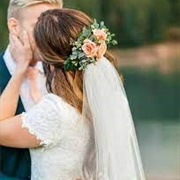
(15, 6)
(36, 10)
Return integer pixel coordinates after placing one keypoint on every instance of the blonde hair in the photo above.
(16, 5)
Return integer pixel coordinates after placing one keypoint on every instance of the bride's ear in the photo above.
(13, 26)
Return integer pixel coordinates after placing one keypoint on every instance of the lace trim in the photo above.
(25, 124)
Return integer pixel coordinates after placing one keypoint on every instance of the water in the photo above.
(159, 145)
(154, 99)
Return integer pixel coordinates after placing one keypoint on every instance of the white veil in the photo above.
(117, 151)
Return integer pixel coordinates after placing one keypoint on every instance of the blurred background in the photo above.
(148, 32)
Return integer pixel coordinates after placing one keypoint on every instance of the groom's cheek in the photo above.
(29, 29)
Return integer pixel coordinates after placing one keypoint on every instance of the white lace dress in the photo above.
(64, 139)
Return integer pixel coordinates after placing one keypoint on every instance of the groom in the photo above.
(22, 16)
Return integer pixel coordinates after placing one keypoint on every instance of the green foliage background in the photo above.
(135, 22)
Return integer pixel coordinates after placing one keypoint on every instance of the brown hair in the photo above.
(53, 33)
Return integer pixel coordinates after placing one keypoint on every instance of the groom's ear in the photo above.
(13, 26)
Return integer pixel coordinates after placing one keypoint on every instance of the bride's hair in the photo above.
(53, 34)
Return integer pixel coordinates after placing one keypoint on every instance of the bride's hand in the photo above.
(21, 52)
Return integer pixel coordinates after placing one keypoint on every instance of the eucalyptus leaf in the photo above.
(80, 55)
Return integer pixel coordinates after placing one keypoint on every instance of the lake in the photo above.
(155, 103)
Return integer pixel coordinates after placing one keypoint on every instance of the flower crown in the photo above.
(90, 46)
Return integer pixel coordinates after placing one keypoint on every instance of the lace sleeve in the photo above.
(44, 120)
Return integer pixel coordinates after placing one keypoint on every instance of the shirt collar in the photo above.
(11, 63)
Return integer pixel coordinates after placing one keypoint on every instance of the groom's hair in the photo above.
(16, 5)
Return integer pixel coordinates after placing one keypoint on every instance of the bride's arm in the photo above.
(40, 126)
(13, 135)
(10, 96)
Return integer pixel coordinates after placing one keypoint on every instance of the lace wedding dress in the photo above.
(64, 139)
(68, 140)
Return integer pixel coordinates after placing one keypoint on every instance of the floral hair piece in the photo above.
(90, 46)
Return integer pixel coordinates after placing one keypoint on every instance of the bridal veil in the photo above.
(116, 147)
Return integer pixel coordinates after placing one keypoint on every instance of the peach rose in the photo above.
(100, 35)
(89, 48)
(101, 50)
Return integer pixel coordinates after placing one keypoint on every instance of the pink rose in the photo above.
(101, 50)
(100, 35)
(89, 48)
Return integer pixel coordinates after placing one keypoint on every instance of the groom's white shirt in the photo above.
(25, 88)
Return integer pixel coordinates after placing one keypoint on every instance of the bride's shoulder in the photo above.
(57, 100)
(60, 105)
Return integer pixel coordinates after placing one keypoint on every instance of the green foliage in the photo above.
(3, 24)
(135, 22)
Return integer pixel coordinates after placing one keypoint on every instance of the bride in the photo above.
(82, 129)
